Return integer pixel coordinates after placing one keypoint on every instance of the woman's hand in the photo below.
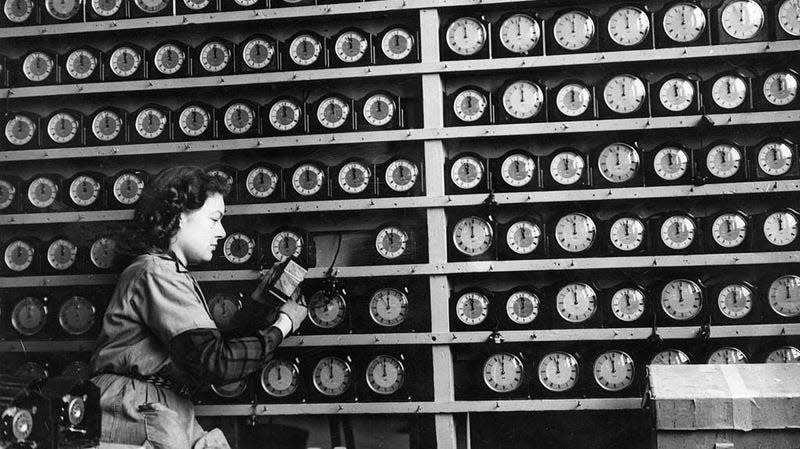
(296, 312)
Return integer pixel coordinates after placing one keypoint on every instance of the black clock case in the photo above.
(416, 247)
(223, 132)
(165, 136)
(300, 393)
(636, 353)
(760, 242)
(658, 110)
(446, 54)
(121, 138)
(184, 72)
(99, 202)
(552, 46)
(77, 140)
(322, 62)
(453, 254)
(381, 58)
(300, 128)
(117, 264)
(473, 386)
(451, 119)
(397, 122)
(181, 7)
(550, 184)
(605, 112)
(559, 322)
(370, 191)
(417, 314)
(246, 396)
(35, 142)
(35, 267)
(778, 33)
(139, 74)
(493, 318)
(499, 312)
(51, 326)
(711, 244)
(220, 262)
(48, 19)
(769, 314)
(60, 203)
(608, 44)
(415, 371)
(610, 320)
(33, 19)
(95, 77)
(500, 114)
(93, 16)
(483, 186)
(704, 176)
(316, 127)
(717, 317)
(324, 192)
(230, 67)
(760, 101)
(611, 250)
(209, 134)
(499, 185)
(97, 297)
(12, 191)
(274, 63)
(664, 320)
(555, 115)
(500, 51)
(265, 251)
(757, 174)
(383, 188)
(556, 251)
(135, 12)
(538, 354)
(657, 246)
(650, 176)
(19, 78)
(367, 59)
(244, 196)
(718, 34)
(599, 181)
(661, 38)
(310, 360)
(506, 253)
(711, 107)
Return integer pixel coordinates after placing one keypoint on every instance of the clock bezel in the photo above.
(664, 41)
(760, 101)
(541, 251)
(482, 186)
(35, 139)
(300, 128)
(241, 187)
(502, 116)
(552, 46)
(760, 241)
(610, 319)
(718, 34)
(121, 138)
(368, 192)
(608, 44)
(316, 127)
(208, 134)
(80, 125)
(500, 51)
(100, 202)
(659, 110)
(324, 192)
(711, 244)
(447, 54)
(555, 114)
(644, 247)
(704, 176)
(94, 77)
(598, 180)
(753, 316)
(551, 184)
(450, 117)
(711, 107)
(657, 246)
(182, 72)
(165, 135)
(287, 64)
(605, 112)
(273, 64)
(396, 122)
(197, 53)
(222, 130)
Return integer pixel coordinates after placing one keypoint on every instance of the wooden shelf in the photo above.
(468, 66)
(403, 135)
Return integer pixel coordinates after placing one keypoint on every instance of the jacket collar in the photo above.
(169, 255)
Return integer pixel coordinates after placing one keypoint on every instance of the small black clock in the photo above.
(576, 304)
(284, 116)
(518, 33)
(126, 62)
(623, 96)
(521, 101)
(466, 173)
(21, 131)
(45, 193)
(150, 123)
(63, 256)
(728, 92)
(571, 100)
(103, 254)
(10, 194)
(30, 317)
(675, 232)
(37, 68)
(307, 181)
(196, 6)
(735, 302)
(617, 164)
(379, 110)
(522, 307)
(280, 381)
(575, 234)
(238, 251)
(473, 309)
(783, 15)
(777, 230)
(567, 168)
(515, 171)
(736, 21)
(82, 65)
(170, 59)
(669, 164)
(572, 30)
(330, 378)
(351, 47)
(397, 243)
(150, 8)
(400, 176)
(63, 128)
(777, 89)
(627, 304)
(329, 312)
(354, 178)
(20, 13)
(472, 237)
(258, 53)
(675, 94)
(107, 126)
(681, 302)
(228, 175)
(282, 243)
(626, 234)
(728, 231)
(332, 113)
(304, 51)
(682, 23)
(782, 295)
(79, 313)
(261, 182)
(125, 188)
(397, 44)
(523, 237)
(22, 256)
(86, 191)
(774, 158)
(721, 161)
(239, 119)
(194, 121)
(214, 57)
(627, 27)
(464, 37)
(469, 105)
(106, 10)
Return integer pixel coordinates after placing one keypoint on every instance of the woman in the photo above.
(159, 343)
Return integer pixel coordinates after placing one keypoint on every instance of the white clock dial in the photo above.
(388, 307)
(42, 192)
(628, 304)
(106, 8)
(780, 228)
(523, 237)
(670, 357)
(671, 163)
(215, 56)
(385, 375)
(194, 121)
(470, 105)
(517, 170)
(20, 130)
(261, 182)
(19, 255)
(354, 177)
(614, 370)
(102, 253)
(379, 110)
(780, 88)
(724, 160)
(627, 233)
(522, 307)
(18, 11)
(681, 299)
(567, 168)
(624, 94)
(332, 376)
(742, 19)
(574, 30)
(729, 230)
(397, 44)
(280, 378)
(239, 118)
(558, 371)
(62, 127)
(472, 308)
(81, 64)
(575, 232)
(196, 5)
(125, 61)
(523, 100)
(503, 372)
(284, 115)
(351, 46)
(727, 356)
(735, 301)
(305, 50)
(333, 112)
(286, 244)
(8, 192)
(77, 315)
(238, 248)
(467, 172)
(231, 390)
(106, 125)
(169, 59)
(466, 36)
(775, 158)
(258, 53)
(789, 17)
(37, 66)
(628, 26)
(573, 100)
(677, 94)
(473, 236)
(785, 354)
(392, 242)
(151, 6)
(127, 188)
(326, 311)
(29, 316)
(84, 190)
(729, 91)
(684, 22)
(677, 232)
(520, 33)
(308, 179)
(401, 175)
(784, 296)
(150, 123)
(576, 302)
(618, 162)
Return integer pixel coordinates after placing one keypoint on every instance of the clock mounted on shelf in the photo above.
(387, 377)
(681, 302)
(332, 113)
(83, 65)
(21, 131)
(331, 378)
(196, 6)
(466, 173)
(125, 188)
(30, 316)
(574, 234)
(729, 231)
(721, 161)
(676, 94)
(214, 57)
(355, 178)
(737, 21)
(627, 27)
(261, 182)
(62, 11)
(784, 14)
(169, 59)
(735, 303)
(106, 10)
(238, 119)
(107, 126)
(515, 171)
(242, 5)
(10, 192)
(777, 230)
(62, 256)
(65, 128)
(239, 251)
(397, 44)
(469, 105)
(150, 124)
(784, 354)
(150, 8)
(258, 53)
(777, 89)
(22, 256)
(465, 37)
(396, 244)
(308, 181)
(284, 242)
(783, 297)
(350, 47)
(520, 101)
(472, 238)
(627, 234)
(669, 164)
(627, 304)
(572, 30)
(194, 121)
(400, 176)
(558, 372)
(670, 356)
(389, 309)
(37, 68)
(614, 372)
(472, 309)
(126, 62)
(85, 191)
(571, 100)
(45, 193)
(567, 168)
(676, 233)
(284, 116)
(727, 92)
(727, 355)
(77, 315)
(618, 164)
(624, 96)
(523, 237)
(306, 50)
(503, 374)
(328, 313)
(281, 382)
(577, 304)
(682, 23)
(224, 303)
(517, 34)
(103, 255)
(379, 110)
(227, 175)
(525, 308)
(19, 13)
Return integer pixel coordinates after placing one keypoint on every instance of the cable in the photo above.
(335, 256)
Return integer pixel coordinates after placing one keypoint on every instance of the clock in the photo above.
(379, 110)
(44, 193)
(777, 230)
(29, 316)
(670, 357)
(520, 101)
(169, 59)
(150, 124)
(627, 305)
(223, 306)
(194, 121)
(37, 68)
(125, 188)
(669, 164)
(783, 297)
(681, 302)
(350, 47)
(285, 242)
(213, 57)
(308, 181)
(682, 23)
(676, 233)
(617, 164)
(572, 30)
(227, 175)
(614, 371)
(20, 131)
(469, 105)
(62, 11)
(722, 161)
(399, 176)
(627, 235)
(332, 113)
(472, 309)
(571, 100)
(195, 6)
(524, 308)
(242, 5)
(472, 238)
(558, 371)
(332, 376)
(577, 304)
(238, 119)
(624, 96)
(107, 126)
(517, 34)
(785, 14)
(150, 8)
(727, 92)
(517, 170)
(10, 194)
(85, 191)
(284, 116)
(83, 65)
(736, 302)
(102, 254)
(784, 354)
(229, 392)
(261, 182)
(567, 168)
(280, 379)
(523, 238)
(574, 234)
(466, 174)
(777, 89)
(386, 374)
(627, 27)
(355, 178)
(465, 37)
(19, 13)
(730, 231)
(503, 373)
(678, 94)
(258, 53)
(77, 316)
(126, 62)
(388, 307)
(21, 256)
(237, 251)
(64, 128)
(396, 44)
(726, 355)
(738, 21)
(307, 50)
(106, 10)
(394, 244)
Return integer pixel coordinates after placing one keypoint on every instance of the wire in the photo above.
(335, 256)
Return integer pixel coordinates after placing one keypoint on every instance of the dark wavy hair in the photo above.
(157, 216)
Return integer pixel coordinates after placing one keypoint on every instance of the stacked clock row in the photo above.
(213, 57)
(46, 365)
(673, 301)
(587, 369)
(626, 26)
(74, 312)
(152, 123)
(625, 95)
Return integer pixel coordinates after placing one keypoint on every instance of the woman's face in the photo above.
(200, 229)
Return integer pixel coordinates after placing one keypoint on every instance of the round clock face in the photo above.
(784, 296)
(676, 94)
(522, 307)
(214, 57)
(230, 390)
(29, 316)
(261, 182)
(127, 188)
(472, 308)
(223, 306)
(466, 36)
(775, 158)
(354, 177)
(523, 237)
(284, 115)
(238, 248)
(677, 232)
(62, 254)
(473, 236)
(20, 130)
(332, 376)
(388, 307)
(258, 53)
(624, 94)
(520, 33)
(466, 172)
(671, 163)
(151, 6)
(401, 175)
(780, 228)
(305, 50)
(729, 91)
(194, 121)
(8, 192)
(75, 410)
(106, 8)
(379, 110)
(106, 125)
(523, 100)
(627, 233)
(573, 100)
(42, 192)
(286, 244)
(735, 301)
(169, 59)
(614, 370)
(724, 160)
(628, 26)
(62, 127)
(627, 304)
(785, 354)
(102, 253)
(575, 232)
(503, 372)
(351, 46)
(780, 88)
(18, 255)
(789, 17)
(727, 356)
(308, 179)
(150, 123)
(391, 242)
(670, 357)
(76, 315)
(385, 374)
(558, 371)
(37, 66)
(239, 118)
(280, 378)
(729, 230)
(576, 302)
(742, 19)
(325, 311)
(333, 112)
(574, 30)
(469, 105)
(684, 22)
(124, 62)
(567, 168)
(517, 170)
(81, 64)
(681, 299)
(397, 44)
(18, 11)
(618, 162)
(196, 5)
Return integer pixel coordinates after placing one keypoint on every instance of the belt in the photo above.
(159, 381)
